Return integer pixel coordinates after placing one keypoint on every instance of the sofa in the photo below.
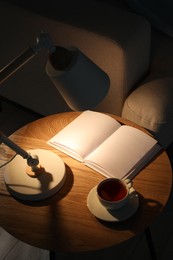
(118, 40)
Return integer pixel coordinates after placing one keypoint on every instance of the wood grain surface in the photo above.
(63, 222)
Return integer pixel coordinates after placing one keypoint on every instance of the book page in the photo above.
(121, 153)
(84, 134)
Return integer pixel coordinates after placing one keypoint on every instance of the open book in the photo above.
(105, 145)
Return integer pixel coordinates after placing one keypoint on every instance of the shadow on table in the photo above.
(139, 221)
(58, 196)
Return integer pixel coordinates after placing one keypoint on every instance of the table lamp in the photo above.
(38, 174)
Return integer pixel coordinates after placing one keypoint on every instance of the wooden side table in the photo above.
(63, 222)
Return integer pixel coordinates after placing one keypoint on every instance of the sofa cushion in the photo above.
(151, 106)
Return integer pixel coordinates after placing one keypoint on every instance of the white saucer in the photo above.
(99, 211)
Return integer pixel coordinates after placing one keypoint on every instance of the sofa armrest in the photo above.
(150, 106)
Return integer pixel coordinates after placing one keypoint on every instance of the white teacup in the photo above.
(114, 193)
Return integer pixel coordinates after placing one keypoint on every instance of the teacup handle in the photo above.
(128, 182)
(132, 190)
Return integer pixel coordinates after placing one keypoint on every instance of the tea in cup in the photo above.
(114, 193)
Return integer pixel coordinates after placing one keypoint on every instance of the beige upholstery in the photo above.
(116, 40)
(150, 106)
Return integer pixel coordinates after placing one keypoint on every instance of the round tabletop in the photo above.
(63, 222)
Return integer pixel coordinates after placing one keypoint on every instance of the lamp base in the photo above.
(37, 187)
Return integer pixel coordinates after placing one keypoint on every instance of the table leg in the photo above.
(150, 243)
(0, 104)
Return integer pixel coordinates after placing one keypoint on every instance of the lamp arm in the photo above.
(43, 41)
(31, 161)
(15, 64)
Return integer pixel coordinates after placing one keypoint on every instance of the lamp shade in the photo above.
(81, 82)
